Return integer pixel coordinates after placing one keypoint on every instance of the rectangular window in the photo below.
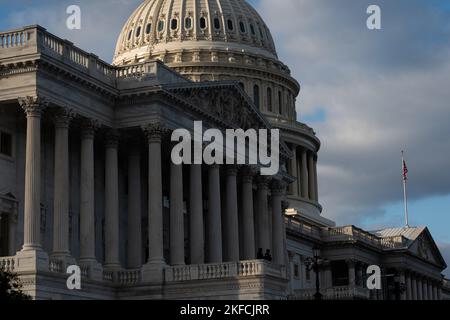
(5, 144)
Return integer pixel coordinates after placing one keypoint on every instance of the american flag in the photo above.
(405, 171)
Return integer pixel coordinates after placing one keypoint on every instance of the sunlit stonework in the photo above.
(86, 176)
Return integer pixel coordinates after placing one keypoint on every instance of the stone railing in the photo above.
(8, 263)
(56, 266)
(335, 293)
(302, 228)
(223, 271)
(15, 38)
(123, 277)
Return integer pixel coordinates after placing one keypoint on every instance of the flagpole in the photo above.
(405, 195)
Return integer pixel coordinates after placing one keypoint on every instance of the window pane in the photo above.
(230, 25)
(202, 23)
(149, 28)
(188, 23)
(138, 32)
(160, 25)
(174, 25)
(217, 23)
(242, 26)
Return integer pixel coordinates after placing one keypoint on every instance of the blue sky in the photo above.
(368, 94)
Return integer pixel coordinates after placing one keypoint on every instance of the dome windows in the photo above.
(138, 31)
(216, 23)
(130, 34)
(256, 96)
(160, 25)
(148, 29)
(203, 23)
(174, 24)
(269, 99)
(188, 23)
(242, 26)
(230, 25)
(252, 30)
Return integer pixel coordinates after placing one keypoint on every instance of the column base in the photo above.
(91, 269)
(153, 271)
(32, 260)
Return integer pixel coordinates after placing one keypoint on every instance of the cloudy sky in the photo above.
(368, 94)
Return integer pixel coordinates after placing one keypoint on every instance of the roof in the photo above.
(410, 233)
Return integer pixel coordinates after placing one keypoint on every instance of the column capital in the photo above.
(88, 128)
(248, 173)
(232, 170)
(278, 187)
(285, 205)
(262, 182)
(33, 106)
(62, 117)
(112, 138)
(154, 131)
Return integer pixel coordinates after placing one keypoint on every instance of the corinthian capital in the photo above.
(33, 106)
(154, 131)
(62, 117)
(278, 187)
(88, 127)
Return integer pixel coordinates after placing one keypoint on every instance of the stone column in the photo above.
(430, 290)
(439, 292)
(312, 177)
(278, 190)
(425, 289)
(214, 216)
(419, 289)
(435, 294)
(176, 215)
(263, 215)
(403, 281)
(197, 236)
(231, 217)
(409, 295)
(134, 208)
(316, 182)
(414, 288)
(304, 174)
(154, 134)
(111, 201)
(33, 107)
(294, 185)
(248, 219)
(153, 271)
(61, 186)
(87, 198)
(351, 273)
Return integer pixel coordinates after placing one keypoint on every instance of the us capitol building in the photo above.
(86, 176)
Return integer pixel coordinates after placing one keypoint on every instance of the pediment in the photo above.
(425, 247)
(223, 101)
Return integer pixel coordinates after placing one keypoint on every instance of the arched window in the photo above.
(130, 34)
(230, 25)
(216, 23)
(256, 96)
(242, 26)
(269, 99)
(174, 24)
(202, 23)
(280, 103)
(252, 29)
(148, 28)
(161, 25)
(138, 31)
(188, 23)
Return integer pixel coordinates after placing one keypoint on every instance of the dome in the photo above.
(159, 26)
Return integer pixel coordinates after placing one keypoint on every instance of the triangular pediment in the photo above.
(425, 247)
